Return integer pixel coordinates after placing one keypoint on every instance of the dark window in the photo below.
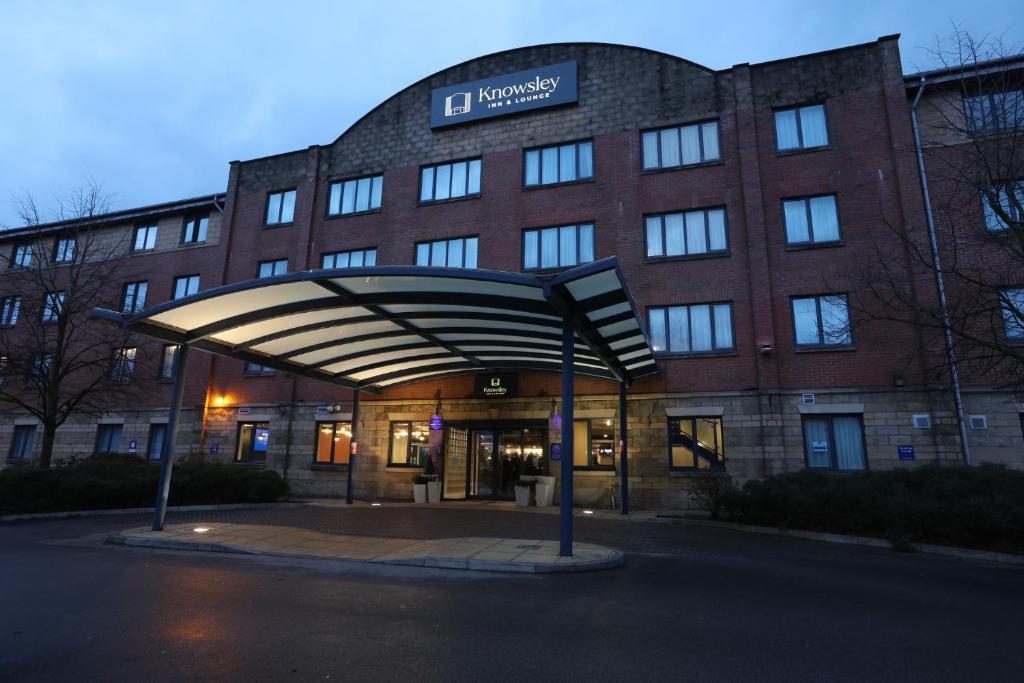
(695, 443)
(333, 441)
(686, 234)
(168, 359)
(558, 164)
(253, 439)
(834, 442)
(53, 306)
(1003, 206)
(157, 432)
(9, 311)
(995, 111)
(271, 268)
(694, 329)
(123, 365)
(566, 245)
(185, 285)
(21, 257)
(450, 181)
(821, 321)
(811, 220)
(680, 146)
(108, 438)
(349, 259)
(251, 368)
(359, 195)
(801, 128)
(454, 253)
(145, 238)
(133, 299)
(64, 250)
(1012, 303)
(593, 445)
(194, 229)
(41, 364)
(21, 442)
(409, 444)
(280, 207)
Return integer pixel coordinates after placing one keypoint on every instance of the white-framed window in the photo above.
(9, 311)
(456, 180)
(193, 231)
(558, 247)
(1009, 198)
(21, 257)
(680, 146)
(64, 250)
(691, 233)
(53, 306)
(693, 329)
(358, 195)
(123, 365)
(280, 207)
(272, 268)
(994, 111)
(811, 220)
(133, 299)
(801, 128)
(185, 285)
(460, 252)
(144, 238)
(834, 442)
(556, 164)
(353, 258)
(1012, 304)
(821, 321)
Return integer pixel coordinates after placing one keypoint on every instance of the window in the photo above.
(123, 365)
(145, 238)
(695, 443)
(134, 298)
(64, 250)
(1009, 199)
(194, 229)
(21, 442)
(450, 181)
(558, 164)
(253, 439)
(834, 442)
(280, 207)
(185, 285)
(593, 445)
(333, 441)
(994, 111)
(155, 445)
(271, 268)
(811, 220)
(251, 368)
(9, 311)
(801, 128)
(168, 361)
(355, 196)
(1012, 303)
(22, 256)
(410, 442)
(349, 259)
(686, 234)
(108, 438)
(454, 253)
(53, 306)
(41, 365)
(567, 245)
(821, 321)
(680, 146)
(700, 328)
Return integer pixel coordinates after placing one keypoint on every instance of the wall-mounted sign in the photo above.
(214, 447)
(556, 452)
(500, 385)
(545, 86)
(905, 452)
(133, 446)
(819, 446)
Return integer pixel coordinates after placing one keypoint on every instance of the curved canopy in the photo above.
(379, 327)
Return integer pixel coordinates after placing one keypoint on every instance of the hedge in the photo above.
(103, 482)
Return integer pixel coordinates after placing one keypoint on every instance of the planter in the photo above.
(523, 496)
(434, 491)
(545, 490)
(419, 493)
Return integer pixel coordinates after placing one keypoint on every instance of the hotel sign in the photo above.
(500, 385)
(545, 86)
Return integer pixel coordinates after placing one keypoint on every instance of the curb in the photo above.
(844, 539)
(136, 511)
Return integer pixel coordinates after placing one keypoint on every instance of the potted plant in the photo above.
(419, 488)
(433, 484)
(524, 487)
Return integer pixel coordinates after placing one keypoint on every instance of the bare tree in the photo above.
(55, 360)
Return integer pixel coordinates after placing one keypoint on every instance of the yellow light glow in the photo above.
(219, 400)
(201, 529)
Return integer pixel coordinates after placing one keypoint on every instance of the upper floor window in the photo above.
(821, 321)
(1003, 205)
(194, 229)
(1012, 303)
(349, 259)
(558, 164)
(694, 329)
(994, 111)
(133, 299)
(280, 207)
(686, 234)
(185, 285)
(41, 365)
(355, 196)
(251, 368)
(64, 250)
(695, 443)
(811, 220)
(567, 245)
(593, 445)
(123, 365)
(450, 181)
(168, 361)
(145, 238)
(22, 255)
(9, 311)
(53, 306)
(271, 268)
(801, 128)
(681, 146)
(454, 253)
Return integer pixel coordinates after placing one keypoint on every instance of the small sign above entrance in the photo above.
(499, 385)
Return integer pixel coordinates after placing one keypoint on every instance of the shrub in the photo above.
(711, 491)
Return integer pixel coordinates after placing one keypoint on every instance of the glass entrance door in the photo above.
(498, 455)
(483, 465)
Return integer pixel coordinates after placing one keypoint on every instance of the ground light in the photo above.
(201, 529)
(376, 505)
(588, 512)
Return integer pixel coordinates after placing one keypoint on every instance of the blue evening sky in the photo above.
(153, 99)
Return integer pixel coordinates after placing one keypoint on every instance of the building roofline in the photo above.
(953, 73)
(831, 51)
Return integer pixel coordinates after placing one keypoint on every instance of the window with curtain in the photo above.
(354, 258)
(1012, 304)
(456, 180)
(834, 442)
(811, 220)
(558, 164)
(358, 195)
(272, 268)
(593, 444)
(692, 233)
(155, 445)
(108, 438)
(995, 111)
(168, 358)
(694, 329)
(21, 442)
(9, 312)
(460, 252)
(801, 128)
(695, 443)
(821, 321)
(409, 444)
(193, 231)
(680, 146)
(333, 443)
(1003, 205)
(559, 247)
(253, 442)
(280, 207)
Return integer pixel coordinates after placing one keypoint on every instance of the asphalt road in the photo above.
(713, 606)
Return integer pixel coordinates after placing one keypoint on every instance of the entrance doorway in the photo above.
(495, 454)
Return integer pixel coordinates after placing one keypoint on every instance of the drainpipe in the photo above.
(940, 280)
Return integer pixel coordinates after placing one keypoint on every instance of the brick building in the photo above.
(741, 205)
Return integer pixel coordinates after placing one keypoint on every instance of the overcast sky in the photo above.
(153, 99)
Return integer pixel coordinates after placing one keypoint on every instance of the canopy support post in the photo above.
(353, 446)
(167, 447)
(565, 502)
(623, 450)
